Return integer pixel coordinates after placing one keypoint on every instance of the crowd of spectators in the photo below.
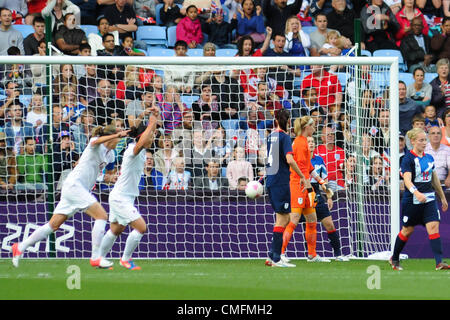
(218, 141)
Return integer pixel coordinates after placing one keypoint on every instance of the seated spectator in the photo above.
(431, 9)
(121, 17)
(367, 154)
(12, 92)
(416, 48)
(68, 38)
(57, 127)
(242, 183)
(179, 178)
(407, 108)
(327, 86)
(379, 33)
(440, 85)
(171, 109)
(88, 10)
(105, 107)
(182, 136)
(130, 88)
(16, 72)
(138, 111)
(446, 128)
(431, 118)
(204, 7)
(247, 46)
(250, 21)
(326, 6)
(9, 36)
(170, 14)
(64, 154)
(250, 79)
(297, 41)
(17, 128)
(318, 37)
(57, 9)
(87, 85)
(221, 148)
(80, 69)
(206, 109)
(8, 168)
(165, 156)
(213, 179)
(129, 49)
(440, 153)
(308, 104)
(278, 11)
(350, 175)
(440, 43)
(113, 73)
(36, 114)
(18, 8)
(333, 156)
(209, 50)
(417, 122)
(419, 91)
(145, 11)
(72, 108)
(269, 103)
(379, 131)
(82, 130)
(344, 134)
(238, 168)
(31, 167)
(341, 18)
(378, 178)
(151, 178)
(182, 79)
(38, 71)
(405, 18)
(31, 42)
(219, 31)
(201, 154)
(95, 40)
(189, 28)
(253, 117)
(157, 84)
(65, 77)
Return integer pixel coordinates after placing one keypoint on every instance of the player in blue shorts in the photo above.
(279, 161)
(419, 199)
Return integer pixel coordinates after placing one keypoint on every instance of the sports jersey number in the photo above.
(270, 158)
(425, 175)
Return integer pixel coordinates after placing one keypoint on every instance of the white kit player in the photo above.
(122, 211)
(76, 195)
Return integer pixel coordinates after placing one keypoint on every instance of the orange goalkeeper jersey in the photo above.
(303, 158)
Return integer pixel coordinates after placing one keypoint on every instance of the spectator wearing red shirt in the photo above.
(269, 102)
(329, 90)
(404, 18)
(34, 9)
(333, 157)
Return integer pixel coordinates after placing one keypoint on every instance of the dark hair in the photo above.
(418, 68)
(181, 43)
(444, 115)
(100, 18)
(38, 19)
(136, 132)
(417, 118)
(68, 14)
(148, 89)
(107, 35)
(191, 6)
(445, 20)
(282, 118)
(403, 82)
(278, 34)
(3, 8)
(307, 89)
(85, 46)
(25, 139)
(13, 51)
(127, 36)
(240, 45)
(242, 179)
(104, 131)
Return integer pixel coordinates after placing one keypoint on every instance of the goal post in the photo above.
(200, 223)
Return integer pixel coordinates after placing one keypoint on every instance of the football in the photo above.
(254, 189)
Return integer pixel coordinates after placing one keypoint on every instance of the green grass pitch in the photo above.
(224, 279)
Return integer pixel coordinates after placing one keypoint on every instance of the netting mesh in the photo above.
(211, 140)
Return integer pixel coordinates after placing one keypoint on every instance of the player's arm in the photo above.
(104, 139)
(291, 162)
(436, 183)
(323, 183)
(149, 134)
(412, 188)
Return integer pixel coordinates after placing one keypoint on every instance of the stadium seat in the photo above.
(152, 35)
(226, 52)
(342, 77)
(88, 29)
(406, 77)
(25, 29)
(430, 77)
(366, 53)
(157, 15)
(309, 29)
(171, 36)
(391, 53)
(160, 52)
(195, 52)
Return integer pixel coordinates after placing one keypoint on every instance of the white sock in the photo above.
(107, 243)
(97, 235)
(39, 234)
(132, 241)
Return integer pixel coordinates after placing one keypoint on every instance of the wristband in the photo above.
(321, 181)
(310, 190)
(412, 189)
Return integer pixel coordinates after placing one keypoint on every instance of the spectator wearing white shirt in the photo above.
(440, 153)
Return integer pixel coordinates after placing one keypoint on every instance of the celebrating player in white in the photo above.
(121, 199)
(76, 196)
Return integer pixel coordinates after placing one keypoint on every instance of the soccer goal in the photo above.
(215, 116)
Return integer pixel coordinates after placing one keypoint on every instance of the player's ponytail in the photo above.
(413, 133)
(282, 119)
(136, 132)
(301, 123)
(104, 131)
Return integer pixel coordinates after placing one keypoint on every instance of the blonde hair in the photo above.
(301, 123)
(104, 131)
(287, 27)
(443, 61)
(332, 33)
(65, 90)
(131, 76)
(413, 133)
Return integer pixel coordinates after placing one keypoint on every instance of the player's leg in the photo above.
(436, 244)
(39, 234)
(133, 239)
(294, 219)
(98, 213)
(333, 237)
(110, 237)
(281, 221)
(400, 243)
(310, 232)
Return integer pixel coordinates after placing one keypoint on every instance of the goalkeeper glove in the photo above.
(312, 197)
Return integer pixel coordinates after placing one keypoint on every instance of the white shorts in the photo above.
(123, 211)
(74, 198)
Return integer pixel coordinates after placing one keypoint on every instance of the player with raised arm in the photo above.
(419, 204)
(279, 161)
(303, 201)
(122, 211)
(76, 195)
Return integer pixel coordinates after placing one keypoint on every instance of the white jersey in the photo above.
(130, 174)
(92, 162)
